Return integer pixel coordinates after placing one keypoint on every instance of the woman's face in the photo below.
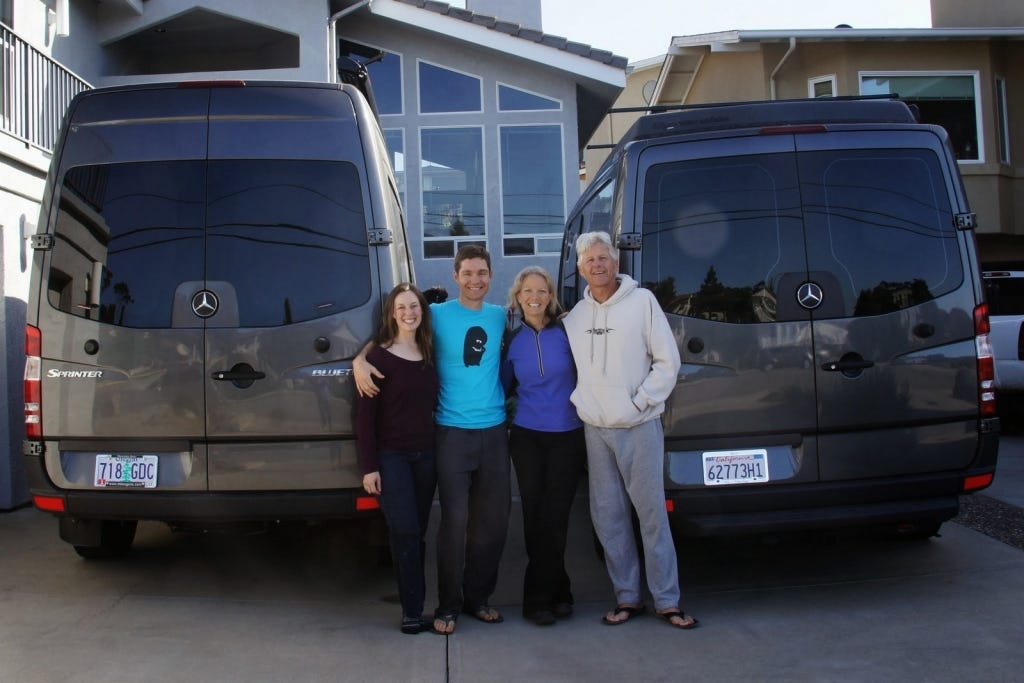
(534, 296)
(408, 313)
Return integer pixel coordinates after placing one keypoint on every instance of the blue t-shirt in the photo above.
(467, 351)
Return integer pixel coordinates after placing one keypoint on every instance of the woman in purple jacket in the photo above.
(395, 437)
(546, 440)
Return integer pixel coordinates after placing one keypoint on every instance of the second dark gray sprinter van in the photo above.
(209, 259)
(816, 261)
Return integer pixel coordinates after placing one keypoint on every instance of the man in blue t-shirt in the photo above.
(472, 443)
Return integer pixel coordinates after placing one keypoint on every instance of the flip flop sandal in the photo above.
(630, 613)
(449, 624)
(486, 614)
(667, 618)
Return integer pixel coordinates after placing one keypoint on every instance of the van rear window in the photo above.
(727, 239)
(288, 235)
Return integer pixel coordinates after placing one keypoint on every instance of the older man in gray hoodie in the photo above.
(627, 362)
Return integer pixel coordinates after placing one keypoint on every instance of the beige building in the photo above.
(965, 73)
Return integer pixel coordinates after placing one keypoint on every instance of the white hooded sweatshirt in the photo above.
(626, 356)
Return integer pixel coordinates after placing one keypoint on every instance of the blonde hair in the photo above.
(517, 287)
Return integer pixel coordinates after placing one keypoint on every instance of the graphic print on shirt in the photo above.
(600, 330)
(474, 345)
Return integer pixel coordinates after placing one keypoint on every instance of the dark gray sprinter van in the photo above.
(210, 257)
(816, 261)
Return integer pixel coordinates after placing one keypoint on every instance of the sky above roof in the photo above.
(640, 29)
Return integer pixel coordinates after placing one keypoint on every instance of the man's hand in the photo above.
(364, 372)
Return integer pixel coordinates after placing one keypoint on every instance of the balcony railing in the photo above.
(36, 91)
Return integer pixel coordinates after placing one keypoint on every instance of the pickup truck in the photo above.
(1004, 290)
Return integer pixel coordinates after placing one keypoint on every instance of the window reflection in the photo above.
(444, 90)
(453, 182)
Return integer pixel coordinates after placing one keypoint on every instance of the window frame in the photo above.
(535, 236)
(419, 90)
(1002, 113)
(457, 240)
(975, 76)
(498, 85)
(815, 80)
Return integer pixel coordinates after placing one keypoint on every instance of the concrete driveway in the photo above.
(315, 606)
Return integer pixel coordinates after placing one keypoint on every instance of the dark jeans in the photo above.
(549, 466)
(407, 481)
(473, 486)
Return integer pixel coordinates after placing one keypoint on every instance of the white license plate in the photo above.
(132, 471)
(748, 466)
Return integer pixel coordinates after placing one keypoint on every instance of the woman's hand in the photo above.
(371, 483)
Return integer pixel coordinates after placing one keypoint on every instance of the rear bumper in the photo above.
(767, 509)
(197, 507)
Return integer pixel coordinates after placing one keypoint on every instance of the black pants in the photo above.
(548, 466)
(407, 492)
(473, 473)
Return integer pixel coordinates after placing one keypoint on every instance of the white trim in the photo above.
(501, 187)
(973, 73)
(497, 99)
(814, 80)
(419, 89)
(552, 57)
(1003, 149)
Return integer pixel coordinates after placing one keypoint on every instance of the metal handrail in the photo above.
(36, 91)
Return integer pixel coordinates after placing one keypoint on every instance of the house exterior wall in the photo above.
(492, 69)
(995, 189)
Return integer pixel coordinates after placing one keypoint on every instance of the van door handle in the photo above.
(242, 375)
(848, 365)
(234, 376)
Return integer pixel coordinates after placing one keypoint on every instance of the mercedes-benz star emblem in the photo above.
(204, 303)
(809, 295)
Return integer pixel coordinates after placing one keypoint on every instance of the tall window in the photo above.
(532, 192)
(443, 90)
(1002, 121)
(452, 181)
(947, 99)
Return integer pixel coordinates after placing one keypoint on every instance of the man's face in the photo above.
(598, 267)
(474, 278)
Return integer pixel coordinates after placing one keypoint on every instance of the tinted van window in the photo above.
(880, 221)
(719, 234)
(137, 230)
(288, 235)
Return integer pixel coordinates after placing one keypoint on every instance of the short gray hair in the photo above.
(592, 239)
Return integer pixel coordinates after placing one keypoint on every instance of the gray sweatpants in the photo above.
(627, 466)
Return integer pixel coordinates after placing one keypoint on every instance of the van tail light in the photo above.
(49, 503)
(977, 482)
(364, 503)
(986, 364)
(33, 391)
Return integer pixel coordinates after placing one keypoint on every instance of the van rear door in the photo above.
(127, 226)
(723, 252)
(894, 352)
(289, 267)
